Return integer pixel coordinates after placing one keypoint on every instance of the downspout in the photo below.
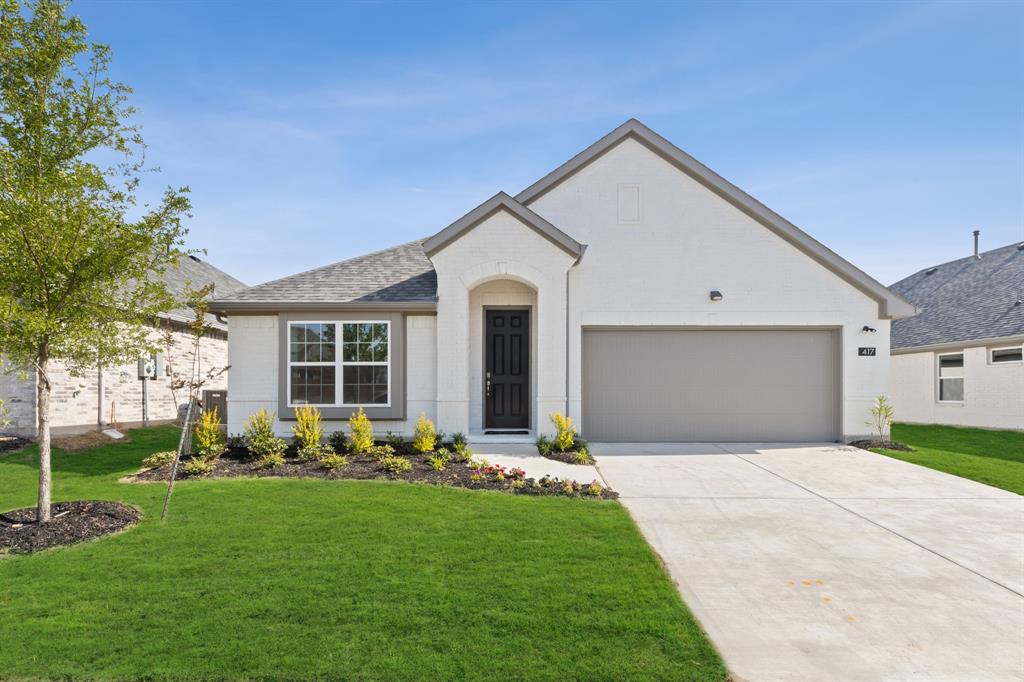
(99, 395)
(568, 325)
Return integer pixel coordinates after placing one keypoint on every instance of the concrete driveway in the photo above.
(832, 563)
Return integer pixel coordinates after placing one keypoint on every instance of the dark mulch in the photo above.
(71, 522)
(875, 444)
(569, 457)
(12, 443)
(235, 463)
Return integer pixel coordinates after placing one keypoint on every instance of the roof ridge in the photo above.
(966, 259)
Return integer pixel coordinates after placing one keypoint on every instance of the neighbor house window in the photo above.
(1001, 355)
(951, 377)
(321, 373)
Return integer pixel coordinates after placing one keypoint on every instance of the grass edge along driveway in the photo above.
(337, 579)
(992, 457)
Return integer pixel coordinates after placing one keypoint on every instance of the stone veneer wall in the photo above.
(74, 399)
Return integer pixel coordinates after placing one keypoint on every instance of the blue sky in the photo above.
(312, 132)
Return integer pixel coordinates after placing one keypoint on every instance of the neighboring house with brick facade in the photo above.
(960, 361)
(632, 288)
(100, 395)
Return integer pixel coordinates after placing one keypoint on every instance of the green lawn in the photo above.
(992, 457)
(335, 579)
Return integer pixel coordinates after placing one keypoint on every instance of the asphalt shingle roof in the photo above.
(401, 274)
(963, 300)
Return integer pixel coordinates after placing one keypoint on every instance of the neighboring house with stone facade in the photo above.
(100, 396)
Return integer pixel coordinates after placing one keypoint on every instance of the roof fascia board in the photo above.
(502, 202)
(890, 305)
(228, 307)
(953, 345)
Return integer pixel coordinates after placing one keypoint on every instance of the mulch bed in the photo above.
(72, 522)
(568, 457)
(881, 445)
(236, 463)
(12, 443)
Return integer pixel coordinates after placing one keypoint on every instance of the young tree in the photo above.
(80, 263)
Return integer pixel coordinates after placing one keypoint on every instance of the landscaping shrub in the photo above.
(271, 460)
(396, 465)
(544, 445)
(159, 459)
(380, 452)
(199, 467)
(333, 461)
(207, 436)
(236, 442)
(308, 430)
(360, 432)
(424, 436)
(460, 446)
(439, 459)
(338, 441)
(260, 438)
(395, 440)
(565, 432)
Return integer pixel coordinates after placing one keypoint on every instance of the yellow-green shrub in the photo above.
(565, 432)
(424, 436)
(360, 432)
(308, 430)
(260, 438)
(209, 440)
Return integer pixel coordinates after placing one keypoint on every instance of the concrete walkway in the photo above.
(526, 458)
(830, 563)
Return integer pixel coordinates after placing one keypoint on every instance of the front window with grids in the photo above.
(328, 370)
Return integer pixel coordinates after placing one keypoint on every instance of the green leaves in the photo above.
(80, 271)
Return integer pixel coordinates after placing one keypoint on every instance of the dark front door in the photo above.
(507, 369)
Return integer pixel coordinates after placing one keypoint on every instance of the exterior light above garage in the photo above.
(716, 295)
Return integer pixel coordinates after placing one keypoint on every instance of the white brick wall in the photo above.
(253, 352)
(74, 400)
(500, 248)
(993, 393)
(659, 270)
(18, 390)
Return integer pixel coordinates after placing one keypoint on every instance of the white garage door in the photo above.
(710, 385)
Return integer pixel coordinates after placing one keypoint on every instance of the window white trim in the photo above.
(939, 377)
(339, 363)
(993, 351)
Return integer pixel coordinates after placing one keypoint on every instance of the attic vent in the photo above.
(1020, 247)
(931, 271)
(195, 258)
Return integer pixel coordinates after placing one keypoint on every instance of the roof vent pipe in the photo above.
(976, 233)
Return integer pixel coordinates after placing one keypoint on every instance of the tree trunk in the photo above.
(43, 434)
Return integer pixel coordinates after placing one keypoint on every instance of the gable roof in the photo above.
(193, 272)
(964, 300)
(890, 305)
(400, 275)
(502, 202)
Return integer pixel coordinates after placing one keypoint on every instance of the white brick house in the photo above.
(99, 395)
(632, 288)
(960, 362)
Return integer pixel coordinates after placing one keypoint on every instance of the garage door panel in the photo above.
(706, 385)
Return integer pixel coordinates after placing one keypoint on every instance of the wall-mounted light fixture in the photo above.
(716, 295)
(868, 330)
